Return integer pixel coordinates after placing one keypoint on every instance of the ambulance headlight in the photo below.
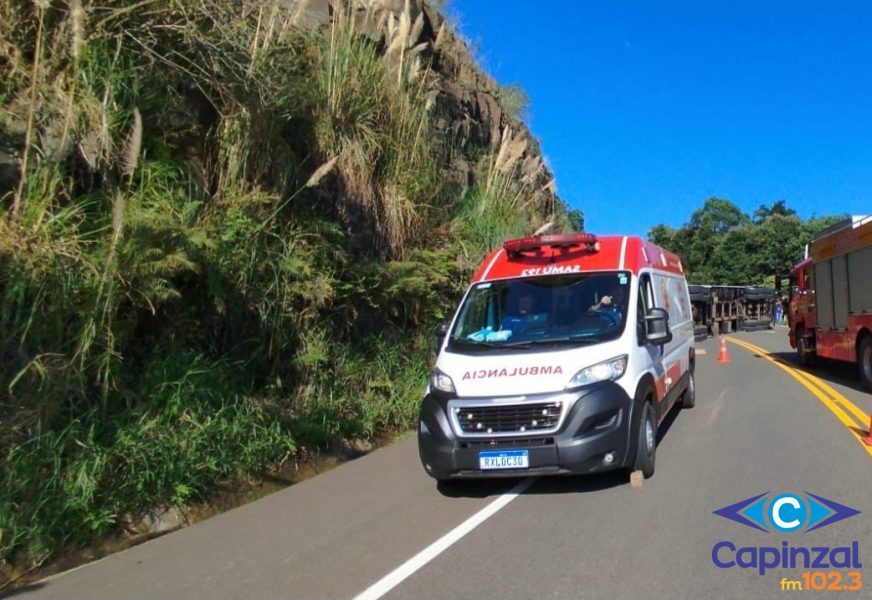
(441, 382)
(608, 370)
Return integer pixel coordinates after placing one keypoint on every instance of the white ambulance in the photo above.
(565, 355)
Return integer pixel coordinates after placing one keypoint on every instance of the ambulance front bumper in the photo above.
(591, 434)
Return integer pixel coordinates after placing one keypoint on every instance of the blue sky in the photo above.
(645, 109)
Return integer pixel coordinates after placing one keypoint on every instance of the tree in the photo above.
(718, 216)
(721, 245)
(813, 227)
(700, 237)
(733, 260)
(663, 236)
(782, 242)
(575, 217)
(778, 208)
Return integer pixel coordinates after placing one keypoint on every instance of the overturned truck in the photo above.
(727, 308)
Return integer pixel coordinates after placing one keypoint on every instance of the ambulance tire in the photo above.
(864, 361)
(688, 398)
(646, 447)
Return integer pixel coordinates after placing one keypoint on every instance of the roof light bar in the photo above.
(563, 240)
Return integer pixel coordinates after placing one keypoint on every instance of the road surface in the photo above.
(379, 526)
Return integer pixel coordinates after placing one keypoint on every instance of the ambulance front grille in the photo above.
(511, 418)
(500, 443)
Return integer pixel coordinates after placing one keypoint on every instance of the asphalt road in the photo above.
(755, 428)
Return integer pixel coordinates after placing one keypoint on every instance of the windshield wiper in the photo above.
(570, 339)
(509, 345)
(469, 342)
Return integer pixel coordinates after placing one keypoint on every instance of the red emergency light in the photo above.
(564, 241)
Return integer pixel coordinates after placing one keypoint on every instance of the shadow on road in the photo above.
(476, 488)
(30, 587)
(559, 484)
(834, 371)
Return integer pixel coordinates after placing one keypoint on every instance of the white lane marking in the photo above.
(623, 253)
(700, 352)
(716, 409)
(408, 568)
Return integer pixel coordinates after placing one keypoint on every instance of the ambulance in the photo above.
(565, 355)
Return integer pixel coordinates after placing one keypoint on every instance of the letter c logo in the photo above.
(780, 512)
(717, 559)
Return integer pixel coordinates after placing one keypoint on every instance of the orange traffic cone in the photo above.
(868, 439)
(723, 355)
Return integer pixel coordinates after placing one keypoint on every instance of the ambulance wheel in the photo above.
(864, 361)
(688, 398)
(646, 449)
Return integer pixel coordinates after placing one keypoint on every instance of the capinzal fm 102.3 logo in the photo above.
(785, 514)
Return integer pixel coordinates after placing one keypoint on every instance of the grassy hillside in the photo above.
(227, 232)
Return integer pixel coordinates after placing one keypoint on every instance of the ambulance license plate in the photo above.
(504, 459)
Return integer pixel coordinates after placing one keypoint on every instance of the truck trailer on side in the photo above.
(831, 297)
(719, 309)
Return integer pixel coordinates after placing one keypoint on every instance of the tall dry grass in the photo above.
(183, 296)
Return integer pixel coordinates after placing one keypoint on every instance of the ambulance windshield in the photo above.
(542, 311)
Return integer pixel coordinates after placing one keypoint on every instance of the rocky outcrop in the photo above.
(469, 119)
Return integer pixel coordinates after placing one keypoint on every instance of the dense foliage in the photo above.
(224, 237)
(722, 245)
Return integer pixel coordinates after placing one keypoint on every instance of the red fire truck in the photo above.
(831, 297)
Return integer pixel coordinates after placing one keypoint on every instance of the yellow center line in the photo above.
(863, 418)
(811, 383)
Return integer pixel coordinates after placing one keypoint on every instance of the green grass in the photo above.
(74, 482)
(370, 387)
(180, 303)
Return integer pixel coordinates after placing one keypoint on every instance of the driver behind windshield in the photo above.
(610, 304)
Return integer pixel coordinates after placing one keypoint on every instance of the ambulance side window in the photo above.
(646, 302)
(481, 308)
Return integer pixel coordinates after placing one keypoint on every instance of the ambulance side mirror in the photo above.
(441, 332)
(657, 327)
